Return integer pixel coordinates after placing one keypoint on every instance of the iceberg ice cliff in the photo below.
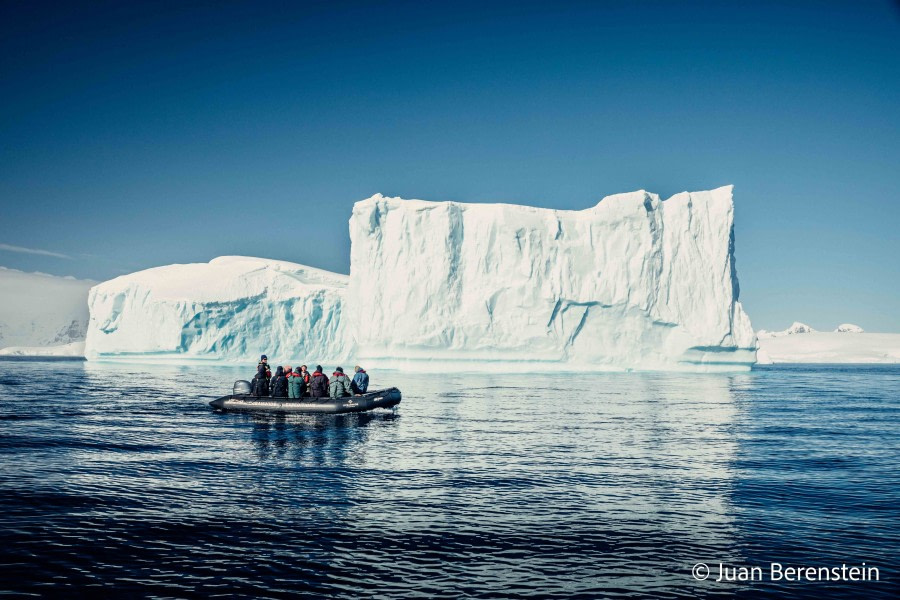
(632, 283)
(231, 309)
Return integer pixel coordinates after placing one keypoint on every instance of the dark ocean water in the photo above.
(119, 481)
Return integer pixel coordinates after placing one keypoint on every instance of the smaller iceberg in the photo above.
(231, 309)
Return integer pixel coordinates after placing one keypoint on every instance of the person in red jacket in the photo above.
(305, 377)
(318, 384)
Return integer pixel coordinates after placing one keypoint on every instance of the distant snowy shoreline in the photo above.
(814, 347)
(71, 350)
(847, 344)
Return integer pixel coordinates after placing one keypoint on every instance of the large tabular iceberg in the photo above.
(230, 309)
(633, 282)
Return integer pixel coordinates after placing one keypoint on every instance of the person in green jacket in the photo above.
(339, 385)
(295, 384)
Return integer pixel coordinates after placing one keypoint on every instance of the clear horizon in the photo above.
(138, 136)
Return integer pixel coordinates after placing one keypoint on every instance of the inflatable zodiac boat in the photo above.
(242, 400)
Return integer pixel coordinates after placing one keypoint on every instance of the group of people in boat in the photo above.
(288, 383)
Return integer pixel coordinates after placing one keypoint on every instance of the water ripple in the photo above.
(111, 485)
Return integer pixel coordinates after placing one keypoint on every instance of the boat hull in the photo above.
(387, 398)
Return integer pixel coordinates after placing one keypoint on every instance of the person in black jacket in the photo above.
(261, 381)
(318, 384)
(279, 384)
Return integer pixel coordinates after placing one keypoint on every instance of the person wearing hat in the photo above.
(261, 379)
(295, 384)
(360, 382)
(339, 385)
(264, 361)
(318, 384)
(279, 384)
(304, 376)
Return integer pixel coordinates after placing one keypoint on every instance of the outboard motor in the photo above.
(241, 388)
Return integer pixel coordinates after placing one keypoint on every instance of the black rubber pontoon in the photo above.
(387, 398)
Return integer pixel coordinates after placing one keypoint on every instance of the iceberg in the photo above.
(231, 309)
(634, 282)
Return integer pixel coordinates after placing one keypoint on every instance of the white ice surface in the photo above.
(831, 347)
(71, 349)
(631, 283)
(231, 309)
(38, 310)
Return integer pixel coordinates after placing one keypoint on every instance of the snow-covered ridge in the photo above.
(231, 309)
(797, 328)
(633, 282)
(40, 310)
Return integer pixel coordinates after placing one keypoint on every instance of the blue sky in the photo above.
(136, 136)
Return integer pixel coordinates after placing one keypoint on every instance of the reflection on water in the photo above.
(311, 440)
(120, 478)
